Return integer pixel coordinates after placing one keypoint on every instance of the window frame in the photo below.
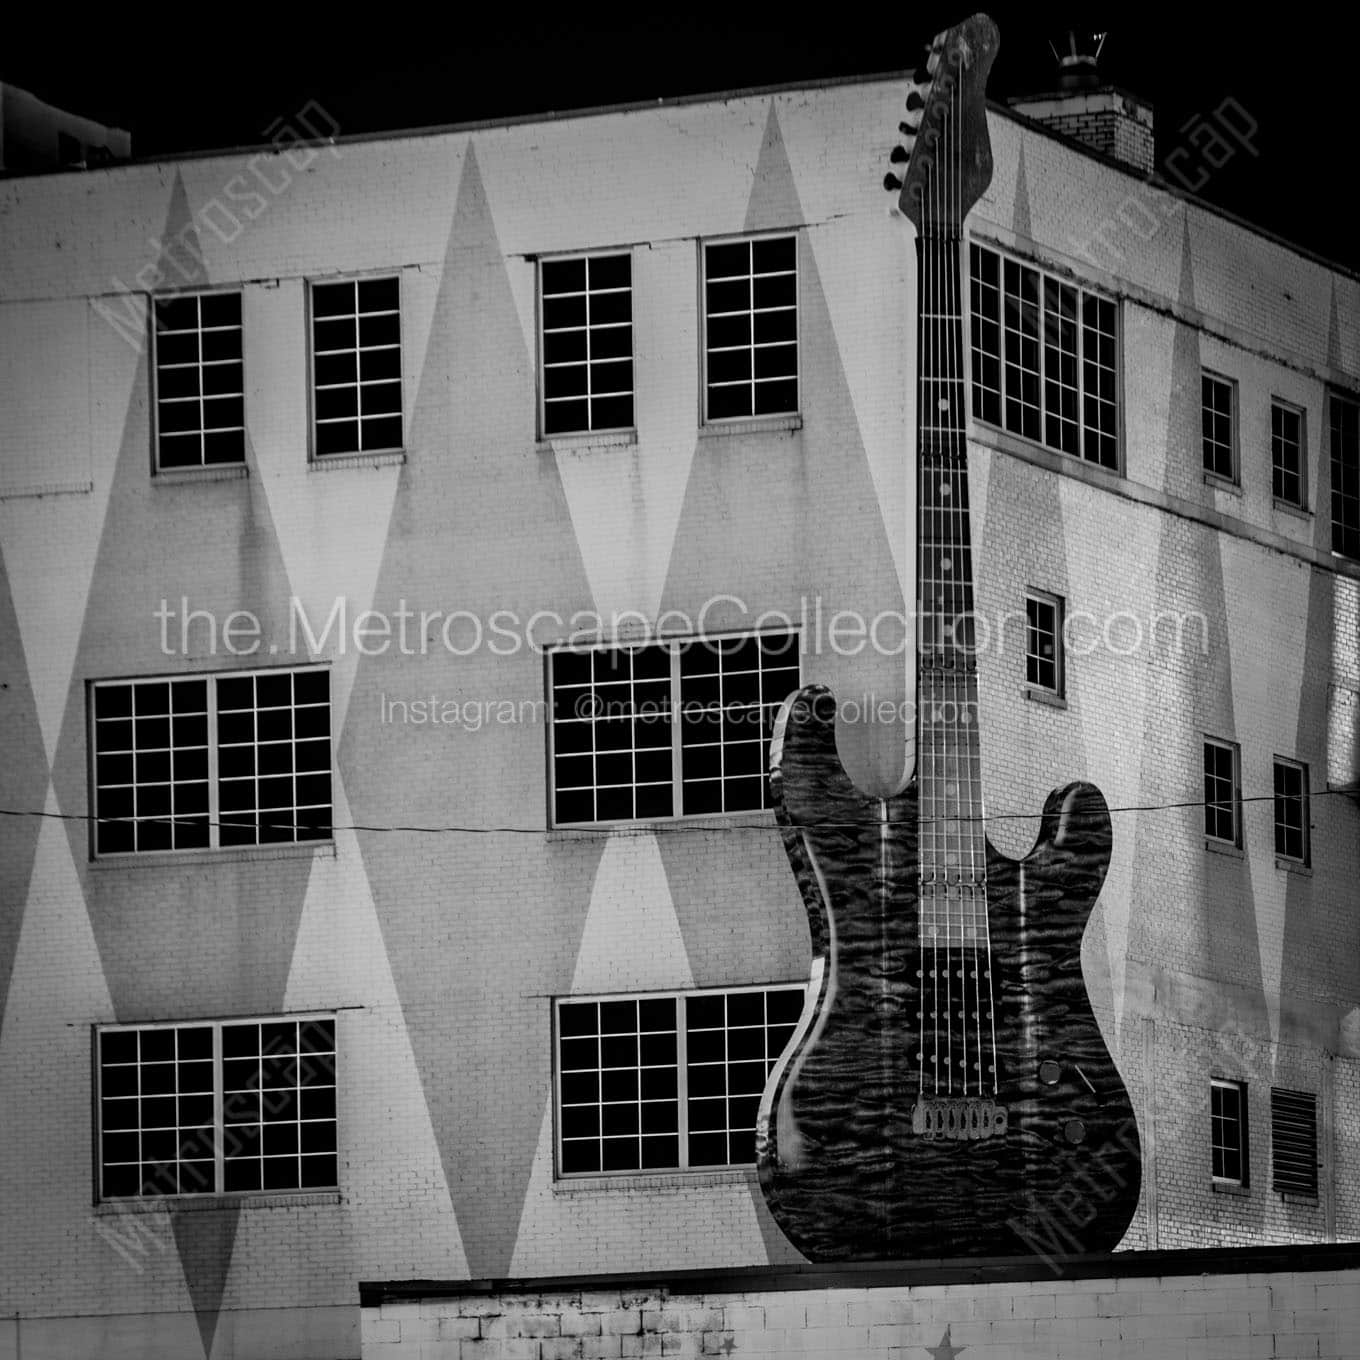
(219, 1125)
(203, 467)
(972, 347)
(1301, 414)
(214, 813)
(1243, 1122)
(1235, 754)
(676, 644)
(755, 418)
(314, 455)
(1281, 1098)
(1234, 477)
(1342, 530)
(1046, 599)
(1304, 858)
(589, 432)
(679, 998)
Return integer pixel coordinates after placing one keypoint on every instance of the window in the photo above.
(200, 761)
(1293, 1141)
(751, 328)
(1287, 454)
(1044, 357)
(356, 366)
(657, 1083)
(1228, 1131)
(1222, 792)
(669, 729)
(587, 344)
(1043, 642)
(1344, 425)
(215, 1107)
(1219, 402)
(200, 383)
(1291, 810)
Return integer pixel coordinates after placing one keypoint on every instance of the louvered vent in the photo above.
(1293, 1131)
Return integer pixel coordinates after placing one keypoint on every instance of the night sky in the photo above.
(181, 82)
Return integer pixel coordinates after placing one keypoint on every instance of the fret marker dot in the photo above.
(946, 564)
(944, 489)
(943, 403)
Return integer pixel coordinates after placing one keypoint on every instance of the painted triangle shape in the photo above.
(205, 1242)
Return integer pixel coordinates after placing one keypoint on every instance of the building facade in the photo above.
(405, 543)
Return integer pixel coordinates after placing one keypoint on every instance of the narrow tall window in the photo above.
(1294, 1142)
(1044, 357)
(200, 381)
(1222, 792)
(751, 327)
(1219, 420)
(1043, 642)
(356, 366)
(1287, 454)
(1228, 1131)
(1344, 429)
(587, 344)
(216, 1107)
(1291, 810)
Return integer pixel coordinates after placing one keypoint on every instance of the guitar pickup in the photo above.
(970, 1120)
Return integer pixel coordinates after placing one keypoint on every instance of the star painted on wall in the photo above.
(946, 1350)
(729, 1345)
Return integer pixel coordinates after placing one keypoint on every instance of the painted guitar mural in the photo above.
(948, 1092)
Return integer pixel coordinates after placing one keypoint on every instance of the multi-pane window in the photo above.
(216, 1107)
(1344, 429)
(200, 382)
(667, 729)
(751, 327)
(587, 343)
(1291, 810)
(1293, 1141)
(356, 366)
(1045, 358)
(1218, 401)
(200, 761)
(1043, 642)
(1228, 1131)
(1287, 454)
(1222, 792)
(666, 1082)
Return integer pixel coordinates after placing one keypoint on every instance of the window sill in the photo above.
(225, 472)
(278, 1199)
(759, 818)
(171, 859)
(1294, 1197)
(1068, 464)
(1045, 696)
(1231, 1188)
(733, 429)
(651, 1180)
(15, 493)
(1224, 848)
(1293, 866)
(586, 440)
(331, 462)
(1289, 508)
(1221, 483)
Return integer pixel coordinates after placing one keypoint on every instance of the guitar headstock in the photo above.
(947, 153)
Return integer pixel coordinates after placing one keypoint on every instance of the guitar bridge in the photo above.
(960, 1119)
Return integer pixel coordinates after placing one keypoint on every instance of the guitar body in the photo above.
(846, 1169)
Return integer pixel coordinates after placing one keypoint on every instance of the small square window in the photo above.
(356, 367)
(1291, 810)
(1219, 400)
(200, 381)
(1228, 1131)
(1287, 454)
(1044, 642)
(1222, 792)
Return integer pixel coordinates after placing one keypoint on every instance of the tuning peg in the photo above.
(914, 102)
(909, 130)
(900, 155)
(892, 184)
(921, 77)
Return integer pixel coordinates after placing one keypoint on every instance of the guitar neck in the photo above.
(952, 848)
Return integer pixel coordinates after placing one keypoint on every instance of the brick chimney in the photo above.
(1090, 110)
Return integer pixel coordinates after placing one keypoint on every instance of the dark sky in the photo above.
(179, 83)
